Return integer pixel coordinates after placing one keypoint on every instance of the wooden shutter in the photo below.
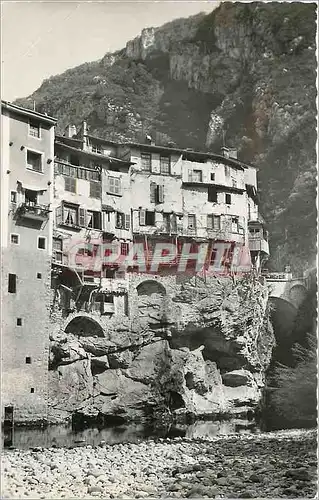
(104, 221)
(190, 175)
(142, 217)
(82, 217)
(99, 220)
(160, 194)
(59, 215)
(153, 189)
(127, 221)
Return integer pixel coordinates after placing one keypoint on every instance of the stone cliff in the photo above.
(245, 71)
(206, 357)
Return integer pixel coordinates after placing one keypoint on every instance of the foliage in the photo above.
(295, 397)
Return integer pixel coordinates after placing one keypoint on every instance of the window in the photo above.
(234, 182)
(146, 162)
(122, 221)
(227, 170)
(95, 189)
(39, 276)
(156, 193)
(235, 225)
(32, 390)
(34, 161)
(213, 222)
(124, 248)
(15, 238)
(31, 197)
(212, 176)
(12, 283)
(28, 361)
(13, 197)
(19, 321)
(70, 184)
(34, 129)
(114, 186)
(147, 218)
(57, 249)
(41, 242)
(74, 160)
(94, 220)
(196, 176)
(191, 222)
(67, 214)
(165, 164)
(167, 222)
(212, 194)
(96, 149)
(228, 199)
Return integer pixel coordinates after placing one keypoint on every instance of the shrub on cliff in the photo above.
(295, 398)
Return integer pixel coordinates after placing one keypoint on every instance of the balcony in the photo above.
(258, 244)
(34, 212)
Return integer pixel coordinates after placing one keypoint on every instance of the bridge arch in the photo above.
(83, 325)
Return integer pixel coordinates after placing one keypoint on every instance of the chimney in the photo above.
(84, 135)
(70, 131)
(229, 152)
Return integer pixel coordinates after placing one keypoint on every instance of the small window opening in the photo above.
(19, 321)
(28, 362)
(12, 284)
(32, 390)
(41, 243)
(15, 239)
(39, 276)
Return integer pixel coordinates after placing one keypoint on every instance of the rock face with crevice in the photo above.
(209, 361)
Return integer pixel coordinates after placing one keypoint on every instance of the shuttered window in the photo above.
(70, 184)
(165, 165)
(213, 222)
(95, 189)
(146, 162)
(114, 185)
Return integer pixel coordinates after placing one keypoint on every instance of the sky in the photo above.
(44, 38)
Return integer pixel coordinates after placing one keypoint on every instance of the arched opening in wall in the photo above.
(83, 326)
(152, 302)
(150, 287)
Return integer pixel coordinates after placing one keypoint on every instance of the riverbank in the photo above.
(273, 465)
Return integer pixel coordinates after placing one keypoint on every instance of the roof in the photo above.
(28, 112)
(110, 159)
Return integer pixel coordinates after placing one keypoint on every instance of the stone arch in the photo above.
(84, 326)
(150, 287)
(151, 302)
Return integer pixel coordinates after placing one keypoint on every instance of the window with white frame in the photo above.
(97, 149)
(34, 129)
(34, 161)
(114, 185)
(57, 249)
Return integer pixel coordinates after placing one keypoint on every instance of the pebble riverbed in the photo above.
(272, 465)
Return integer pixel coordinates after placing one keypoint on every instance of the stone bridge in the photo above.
(286, 296)
(283, 286)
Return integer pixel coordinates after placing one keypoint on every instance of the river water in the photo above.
(65, 436)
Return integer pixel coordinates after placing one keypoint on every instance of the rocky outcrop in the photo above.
(211, 360)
